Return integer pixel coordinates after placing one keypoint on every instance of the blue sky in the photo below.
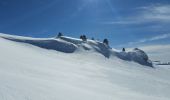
(124, 22)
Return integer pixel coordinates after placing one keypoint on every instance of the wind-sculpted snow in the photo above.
(90, 45)
(71, 40)
(70, 45)
(53, 44)
(28, 72)
(136, 55)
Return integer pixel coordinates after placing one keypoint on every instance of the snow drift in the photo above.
(136, 55)
(70, 45)
(28, 72)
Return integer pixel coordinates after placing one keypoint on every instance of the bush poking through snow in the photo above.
(123, 49)
(105, 41)
(83, 37)
(59, 35)
(92, 38)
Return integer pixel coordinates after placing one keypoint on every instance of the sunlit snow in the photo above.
(89, 72)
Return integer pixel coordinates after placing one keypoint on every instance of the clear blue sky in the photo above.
(124, 22)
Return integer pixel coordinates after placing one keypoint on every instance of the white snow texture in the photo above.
(71, 69)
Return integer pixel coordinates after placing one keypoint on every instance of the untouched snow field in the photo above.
(28, 72)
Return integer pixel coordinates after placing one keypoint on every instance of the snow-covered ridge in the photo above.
(28, 72)
(69, 45)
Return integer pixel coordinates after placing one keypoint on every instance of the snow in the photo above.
(70, 45)
(136, 55)
(158, 52)
(30, 72)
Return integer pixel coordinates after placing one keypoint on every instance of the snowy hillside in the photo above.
(68, 68)
(70, 45)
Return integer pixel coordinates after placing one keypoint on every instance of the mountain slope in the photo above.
(70, 45)
(28, 72)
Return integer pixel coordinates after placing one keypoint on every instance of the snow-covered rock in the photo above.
(69, 45)
(28, 72)
(136, 55)
(140, 56)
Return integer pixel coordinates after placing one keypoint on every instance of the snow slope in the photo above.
(28, 72)
(70, 45)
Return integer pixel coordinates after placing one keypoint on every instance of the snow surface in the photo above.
(70, 45)
(30, 72)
